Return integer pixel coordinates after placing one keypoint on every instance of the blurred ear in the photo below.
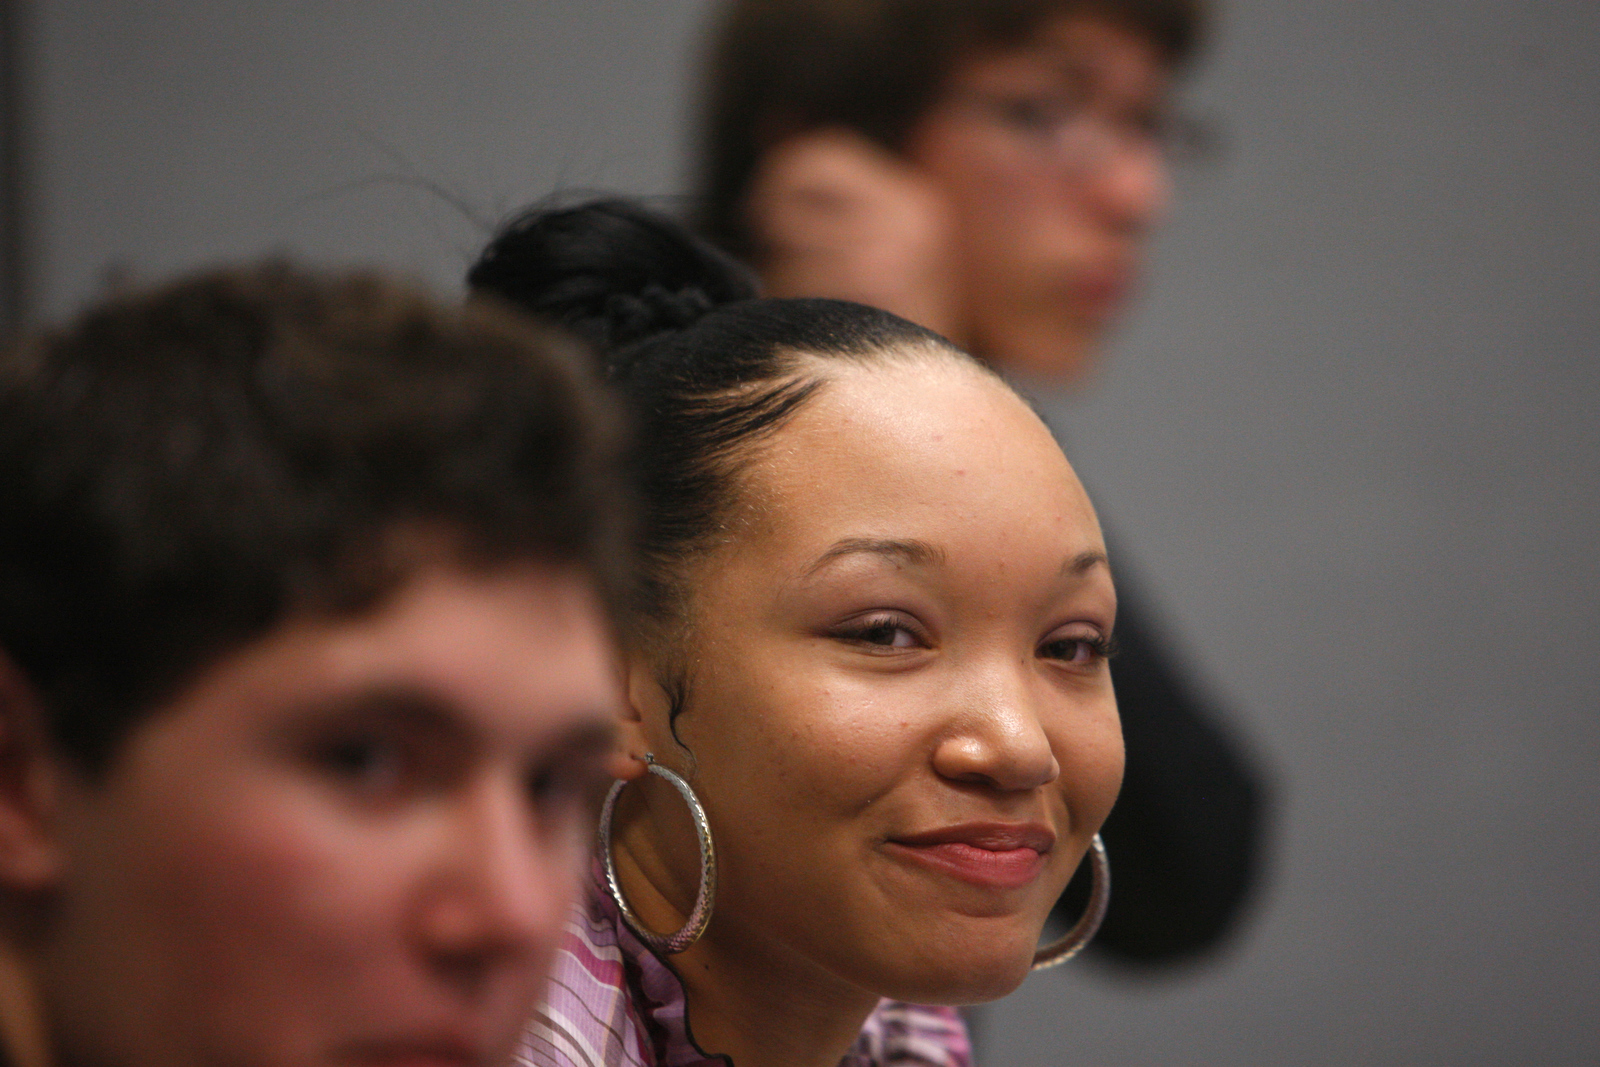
(30, 855)
(836, 215)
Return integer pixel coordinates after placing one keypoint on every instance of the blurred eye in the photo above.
(564, 784)
(565, 794)
(882, 632)
(1150, 123)
(368, 763)
(1042, 115)
(385, 749)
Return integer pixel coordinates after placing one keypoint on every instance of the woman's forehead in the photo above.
(915, 398)
(902, 445)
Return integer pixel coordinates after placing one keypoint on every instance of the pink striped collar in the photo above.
(613, 1003)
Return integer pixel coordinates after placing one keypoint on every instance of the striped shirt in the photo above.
(613, 1003)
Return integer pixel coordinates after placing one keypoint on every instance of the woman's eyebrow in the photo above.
(917, 553)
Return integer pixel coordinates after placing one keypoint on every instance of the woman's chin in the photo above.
(958, 979)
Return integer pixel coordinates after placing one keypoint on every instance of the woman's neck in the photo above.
(750, 997)
(762, 1006)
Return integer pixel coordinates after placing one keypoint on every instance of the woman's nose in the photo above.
(997, 738)
(502, 889)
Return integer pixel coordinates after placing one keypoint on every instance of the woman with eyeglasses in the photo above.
(992, 169)
(870, 730)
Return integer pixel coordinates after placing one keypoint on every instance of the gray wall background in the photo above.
(1349, 440)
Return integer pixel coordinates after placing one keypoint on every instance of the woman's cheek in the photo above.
(1092, 761)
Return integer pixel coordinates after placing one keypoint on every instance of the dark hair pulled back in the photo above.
(708, 368)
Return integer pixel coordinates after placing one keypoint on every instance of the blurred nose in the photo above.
(503, 887)
(997, 736)
(1130, 188)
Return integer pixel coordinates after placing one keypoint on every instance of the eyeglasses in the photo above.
(1086, 137)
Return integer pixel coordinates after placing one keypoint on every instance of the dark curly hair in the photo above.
(180, 469)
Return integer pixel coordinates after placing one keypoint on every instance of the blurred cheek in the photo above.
(283, 911)
(1000, 195)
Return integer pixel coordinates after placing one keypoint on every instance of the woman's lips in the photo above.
(991, 855)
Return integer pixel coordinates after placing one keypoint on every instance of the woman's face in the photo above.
(899, 716)
(352, 842)
(1048, 158)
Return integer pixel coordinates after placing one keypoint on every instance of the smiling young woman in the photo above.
(870, 642)
(995, 170)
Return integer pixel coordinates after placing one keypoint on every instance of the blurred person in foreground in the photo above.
(992, 169)
(306, 675)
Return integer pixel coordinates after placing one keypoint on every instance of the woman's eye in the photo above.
(1079, 650)
(884, 631)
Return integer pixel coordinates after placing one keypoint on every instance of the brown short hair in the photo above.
(780, 67)
(181, 469)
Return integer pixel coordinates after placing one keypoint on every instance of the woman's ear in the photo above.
(646, 705)
(30, 854)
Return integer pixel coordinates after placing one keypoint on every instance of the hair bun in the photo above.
(654, 309)
(612, 271)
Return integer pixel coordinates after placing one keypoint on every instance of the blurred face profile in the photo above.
(898, 713)
(1049, 158)
(353, 841)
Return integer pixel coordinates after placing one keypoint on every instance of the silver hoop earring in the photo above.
(1099, 896)
(700, 915)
